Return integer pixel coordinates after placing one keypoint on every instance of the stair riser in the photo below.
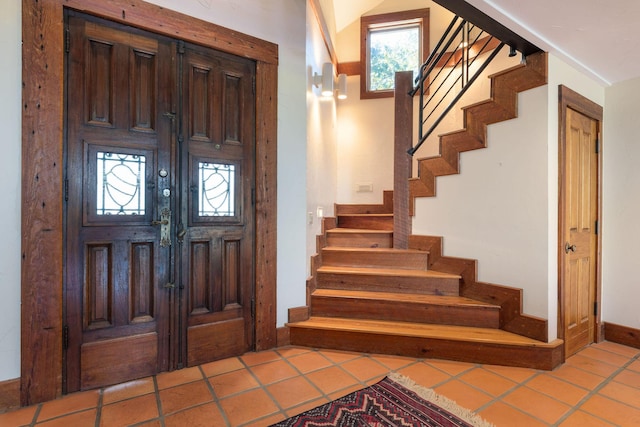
(402, 284)
(402, 311)
(419, 347)
(366, 222)
(417, 261)
(364, 240)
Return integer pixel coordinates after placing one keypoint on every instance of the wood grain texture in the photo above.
(509, 299)
(42, 175)
(624, 335)
(9, 394)
(42, 98)
(403, 140)
(502, 105)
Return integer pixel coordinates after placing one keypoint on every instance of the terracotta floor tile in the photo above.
(620, 349)
(424, 374)
(622, 393)
(365, 369)
(152, 423)
(505, 415)
(184, 396)
(577, 377)
(514, 374)
(339, 356)
(463, 394)
(200, 416)
(252, 359)
(612, 411)
(309, 362)
(331, 379)
(270, 372)
(233, 382)
(131, 411)
(18, 417)
(344, 391)
(292, 351)
(181, 376)
(248, 406)
(630, 378)
(267, 421)
(605, 356)
(489, 382)
(558, 389)
(635, 366)
(293, 392)
(393, 362)
(127, 390)
(582, 419)
(536, 404)
(71, 403)
(84, 418)
(451, 367)
(222, 366)
(591, 365)
(306, 406)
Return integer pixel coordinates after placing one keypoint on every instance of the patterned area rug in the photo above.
(394, 401)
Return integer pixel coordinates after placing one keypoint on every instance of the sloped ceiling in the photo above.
(601, 37)
(348, 11)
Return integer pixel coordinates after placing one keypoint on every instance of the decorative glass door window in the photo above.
(216, 189)
(120, 184)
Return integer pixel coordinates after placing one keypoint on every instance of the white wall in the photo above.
(10, 84)
(621, 205)
(321, 141)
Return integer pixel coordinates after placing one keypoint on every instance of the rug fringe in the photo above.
(442, 401)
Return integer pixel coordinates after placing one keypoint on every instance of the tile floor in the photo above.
(600, 386)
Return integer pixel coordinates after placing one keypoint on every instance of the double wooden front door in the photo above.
(159, 248)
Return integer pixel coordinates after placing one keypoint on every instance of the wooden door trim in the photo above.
(42, 171)
(568, 98)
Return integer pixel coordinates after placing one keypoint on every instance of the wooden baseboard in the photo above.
(9, 394)
(622, 335)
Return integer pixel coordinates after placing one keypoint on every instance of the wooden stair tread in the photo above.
(387, 272)
(446, 300)
(357, 231)
(372, 250)
(422, 330)
(366, 215)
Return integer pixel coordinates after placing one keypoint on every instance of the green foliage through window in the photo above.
(391, 50)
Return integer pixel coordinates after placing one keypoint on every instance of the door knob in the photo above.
(568, 247)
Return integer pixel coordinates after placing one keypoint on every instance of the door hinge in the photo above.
(65, 337)
(597, 227)
(595, 308)
(67, 40)
(253, 85)
(66, 190)
(180, 47)
(253, 197)
(253, 308)
(598, 144)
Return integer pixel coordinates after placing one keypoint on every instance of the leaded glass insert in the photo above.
(120, 184)
(216, 189)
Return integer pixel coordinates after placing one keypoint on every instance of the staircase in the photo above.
(502, 105)
(366, 296)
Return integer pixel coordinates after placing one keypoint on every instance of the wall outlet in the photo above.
(309, 218)
(320, 212)
(366, 187)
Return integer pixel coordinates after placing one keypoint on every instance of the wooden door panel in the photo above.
(581, 199)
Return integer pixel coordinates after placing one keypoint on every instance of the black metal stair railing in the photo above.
(456, 61)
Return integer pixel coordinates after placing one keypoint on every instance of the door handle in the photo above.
(165, 227)
(568, 247)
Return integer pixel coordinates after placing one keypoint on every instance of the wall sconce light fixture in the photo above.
(326, 81)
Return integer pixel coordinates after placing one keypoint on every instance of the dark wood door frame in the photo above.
(42, 171)
(568, 98)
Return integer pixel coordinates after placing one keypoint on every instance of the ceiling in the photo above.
(599, 37)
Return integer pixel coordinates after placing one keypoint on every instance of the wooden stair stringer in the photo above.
(501, 106)
(508, 298)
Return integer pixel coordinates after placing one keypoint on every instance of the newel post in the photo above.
(403, 138)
